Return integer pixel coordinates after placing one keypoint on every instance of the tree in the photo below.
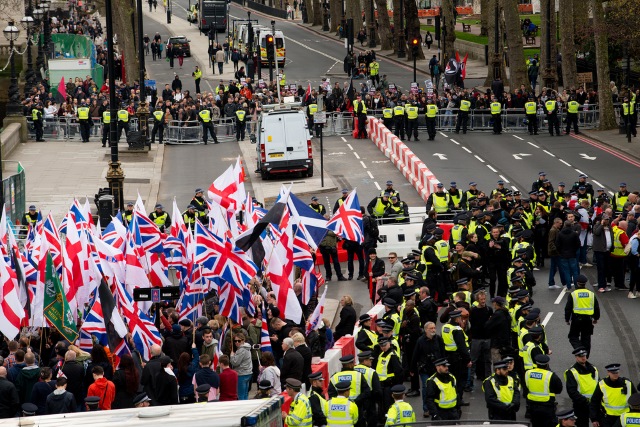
(567, 44)
(517, 67)
(310, 4)
(605, 102)
(549, 62)
(484, 16)
(355, 12)
(367, 17)
(397, 24)
(448, 21)
(336, 15)
(413, 27)
(495, 55)
(317, 12)
(124, 25)
(384, 26)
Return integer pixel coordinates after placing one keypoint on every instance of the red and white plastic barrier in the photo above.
(413, 169)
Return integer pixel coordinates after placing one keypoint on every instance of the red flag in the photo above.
(62, 90)
(463, 65)
(307, 95)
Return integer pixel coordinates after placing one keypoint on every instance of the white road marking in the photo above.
(597, 183)
(514, 188)
(557, 301)
(466, 149)
(455, 142)
(516, 136)
(356, 154)
(504, 179)
(349, 145)
(370, 174)
(344, 140)
(547, 318)
(532, 144)
(580, 172)
(492, 168)
(566, 163)
(479, 158)
(377, 185)
(363, 165)
(443, 134)
(549, 153)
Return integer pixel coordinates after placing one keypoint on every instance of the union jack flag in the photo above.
(347, 220)
(115, 234)
(93, 325)
(209, 248)
(146, 233)
(51, 235)
(77, 215)
(303, 259)
(265, 341)
(190, 304)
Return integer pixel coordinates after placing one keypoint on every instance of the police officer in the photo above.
(374, 72)
(123, 121)
(202, 393)
(581, 311)
(378, 205)
(366, 339)
(572, 117)
(581, 380)
(567, 418)
(189, 217)
(317, 400)
(160, 218)
(387, 117)
(398, 211)
(318, 207)
(398, 120)
(530, 109)
(496, 115)
(501, 393)
(84, 121)
(340, 409)
(359, 392)
(366, 359)
(631, 418)
(440, 200)
(400, 412)
(441, 396)
(626, 111)
(551, 107)
(389, 371)
(241, 122)
(617, 390)
(389, 189)
(620, 198)
(431, 268)
(106, 125)
(127, 215)
(412, 121)
(341, 200)
(204, 116)
(199, 203)
(463, 115)
(36, 116)
(360, 111)
(456, 348)
(312, 109)
(158, 125)
(543, 385)
(197, 75)
(582, 182)
(30, 218)
(459, 233)
(300, 414)
(431, 113)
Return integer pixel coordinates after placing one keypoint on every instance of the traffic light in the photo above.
(437, 32)
(415, 45)
(270, 52)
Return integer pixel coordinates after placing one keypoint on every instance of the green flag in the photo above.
(56, 306)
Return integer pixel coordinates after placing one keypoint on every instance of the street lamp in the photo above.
(46, 5)
(38, 14)
(28, 24)
(143, 110)
(325, 15)
(11, 33)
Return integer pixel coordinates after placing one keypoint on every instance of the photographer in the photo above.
(429, 347)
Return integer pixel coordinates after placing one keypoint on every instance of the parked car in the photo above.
(181, 42)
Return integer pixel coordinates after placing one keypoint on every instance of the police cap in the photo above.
(198, 190)
(536, 330)
(582, 278)
(579, 351)
(389, 302)
(531, 316)
(501, 364)
(140, 398)
(266, 384)
(349, 358)
(203, 389)
(364, 318)
(398, 389)
(293, 384)
(442, 361)
(613, 367)
(383, 341)
(343, 385)
(455, 314)
(367, 354)
(565, 414)
(462, 281)
(91, 400)
(542, 359)
(32, 207)
(314, 199)
(29, 409)
(316, 376)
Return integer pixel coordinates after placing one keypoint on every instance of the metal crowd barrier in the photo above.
(69, 128)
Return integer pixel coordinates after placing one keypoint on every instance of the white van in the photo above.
(283, 142)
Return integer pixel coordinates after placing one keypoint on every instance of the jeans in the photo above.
(553, 268)
(570, 270)
(480, 347)
(582, 252)
(220, 67)
(244, 384)
(423, 381)
(602, 265)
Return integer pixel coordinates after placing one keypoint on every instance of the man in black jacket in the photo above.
(347, 318)
(9, 400)
(498, 328)
(429, 348)
(292, 362)
(427, 307)
(74, 372)
(480, 338)
(410, 331)
(497, 254)
(166, 384)
(574, 378)
(149, 373)
(568, 243)
(176, 343)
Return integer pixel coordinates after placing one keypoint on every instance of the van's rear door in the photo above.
(296, 136)
(274, 138)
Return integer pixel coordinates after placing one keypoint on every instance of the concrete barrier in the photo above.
(10, 138)
(413, 169)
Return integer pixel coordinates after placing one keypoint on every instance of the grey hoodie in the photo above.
(241, 360)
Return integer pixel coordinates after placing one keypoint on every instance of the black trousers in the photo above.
(431, 127)
(37, 124)
(499, 272)
(532, 124)
(106, 133)
(329, 255)
(580, 332)
(399, 126)
(542, 415)
(351, 254)
(463, 121)
(572, 118)
(197, 85)
(159, 129)
(240, 129)
(554, 123)
(388, 123)
(362, 126)
(123, 126)
(85, 130)
(207, 128)
(412, 128)
(497, 123)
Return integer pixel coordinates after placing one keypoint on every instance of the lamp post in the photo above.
(250, 63)
(48, 52)
(497, 60)
(372, 27)
(325, 16)
(30, 78)
(38, 14)
(143, 111)
(11, 33)
(115, 174)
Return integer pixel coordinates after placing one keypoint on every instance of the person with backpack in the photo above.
(371, 231)
(428, 40)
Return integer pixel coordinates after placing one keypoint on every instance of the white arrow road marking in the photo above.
(587, 157)
(519, 156)
(440, 156)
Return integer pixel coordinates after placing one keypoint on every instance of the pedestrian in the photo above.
(431, 115)
(530, 109)
(411, 110)
(347, 318)
(572, 115)
(300, 414)
(123, 121)
(400, 412)
(207, 125)
(568, 243)
(329, 251)
(160, 48)
(582, 312)
(84, 122)
(197, 76)
(171, 51)
(38, 123)
(241, 363)
(428, 40)
(220, 59)
(235, 58)
(551, 108)
(101, 388)
(158, 125)
(179, 52)
(154, 50)
(463, 114)
(496, 115)
(60, 401)
(166, 384)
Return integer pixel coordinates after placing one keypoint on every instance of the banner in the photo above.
(56, 306)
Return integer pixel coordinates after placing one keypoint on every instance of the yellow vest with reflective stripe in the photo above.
(160, 219)
(400, 413)
(613, 401)
(340, 411)
(530, 107)
(123, 116)
(383, 365)
(187, 219)
(83, 113)
(620, 200)
(583, 301)
(432, 111)
(586, 382)
(447, 336)
(106, 117)
(504, 393)
(374, 68)
(551, 106)
(35, 114)
(197, 74)
(625, 109)
(456, 233)
(313, 108)
(496, 108)
(387, 113)
(240, 114)
(465, 105)
(379, 208)
(412, 112)
(205, 115)
(441, 204)
(448, 396)
(283, 80)
(525, 354)
(424, 261)
(354, 377)
(300, 414)
(538, 381)
(366, 372)
(630, 419)
(362, 109)
(442, 250)
(398, 110)
(572, 107)
(158, 115)
(618, 247)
